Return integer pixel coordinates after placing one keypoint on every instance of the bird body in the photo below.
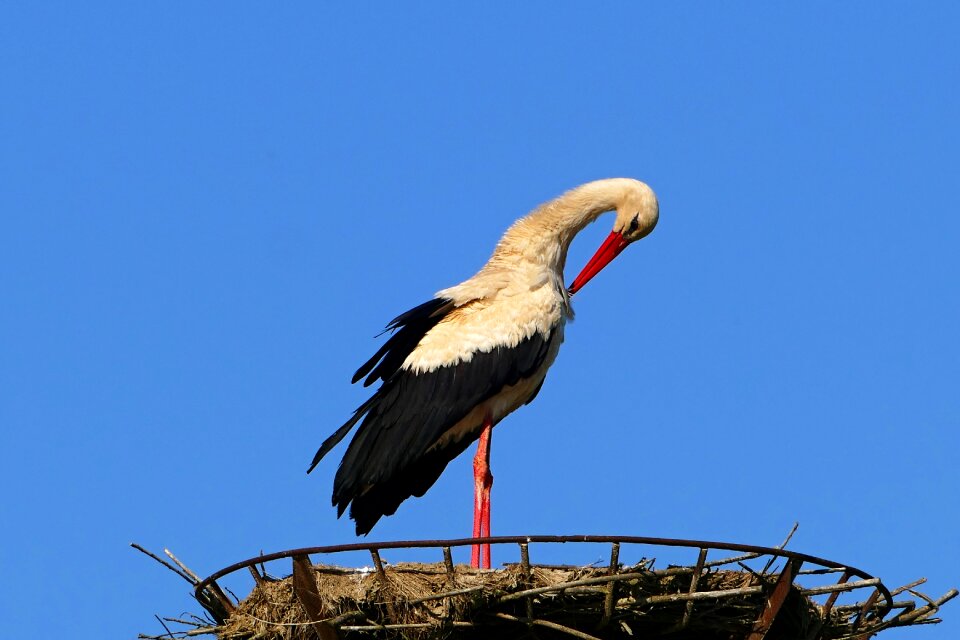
(461, 362)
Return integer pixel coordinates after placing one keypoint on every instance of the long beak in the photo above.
(609, 250)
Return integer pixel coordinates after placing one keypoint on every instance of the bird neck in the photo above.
(545, 234)
(534, 250)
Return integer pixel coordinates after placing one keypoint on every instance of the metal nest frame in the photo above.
(861, 620)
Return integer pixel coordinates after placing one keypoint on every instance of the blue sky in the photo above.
(210, 211)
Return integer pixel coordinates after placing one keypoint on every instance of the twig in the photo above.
(409, 625)
(305, 623)
(213, 589)
(694, 581)
(189, 622)
(263, 568)
(840, 586)
(563, 629)
(899, 604)
(949, 595)
(923, 596)
(207, 621)
(166, 628)
(185, 568)
(450, 581)
(928, 609)
(163, 562)
(343, 617)
(610, 597)
(817, 572)
(378, 627)
(549, 625)
(183, 634)
(575, 583)
(731, 560)
(911, 585)
(867, 606)
(384, 582)
(525, 567)
(446, 594)
(701, 595)
(756, 575)
(780, 546)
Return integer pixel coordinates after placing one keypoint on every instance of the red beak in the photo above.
(609, 250)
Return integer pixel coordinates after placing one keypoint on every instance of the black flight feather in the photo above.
(408, 329)
(396, 452)
(412, 325)
(339, 434)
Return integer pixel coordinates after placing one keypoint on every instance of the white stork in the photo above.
(458, 364)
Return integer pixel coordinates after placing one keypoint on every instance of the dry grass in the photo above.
(407, 603)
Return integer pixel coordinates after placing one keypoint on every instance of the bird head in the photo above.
(637, 215)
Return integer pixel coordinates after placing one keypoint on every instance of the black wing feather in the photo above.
(383, 499)
(394, 454)
(410, 412)
(412, 325)
(409, 328)
(340, 434)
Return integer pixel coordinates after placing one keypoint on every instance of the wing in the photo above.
(408, 329)
(400, 450)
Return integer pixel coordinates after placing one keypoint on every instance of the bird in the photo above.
(454, 366)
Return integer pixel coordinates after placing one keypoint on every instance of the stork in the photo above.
(459, 363)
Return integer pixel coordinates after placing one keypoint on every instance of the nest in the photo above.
(720, 599)
(423, 601)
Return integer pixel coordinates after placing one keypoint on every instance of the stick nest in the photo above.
(409, 601)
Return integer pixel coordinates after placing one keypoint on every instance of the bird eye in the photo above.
(634, 224)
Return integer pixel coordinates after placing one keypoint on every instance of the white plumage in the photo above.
(458, 364)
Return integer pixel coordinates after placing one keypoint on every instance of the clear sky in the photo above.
(208, 213)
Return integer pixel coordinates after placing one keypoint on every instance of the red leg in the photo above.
(485, 503)
(482, 482)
